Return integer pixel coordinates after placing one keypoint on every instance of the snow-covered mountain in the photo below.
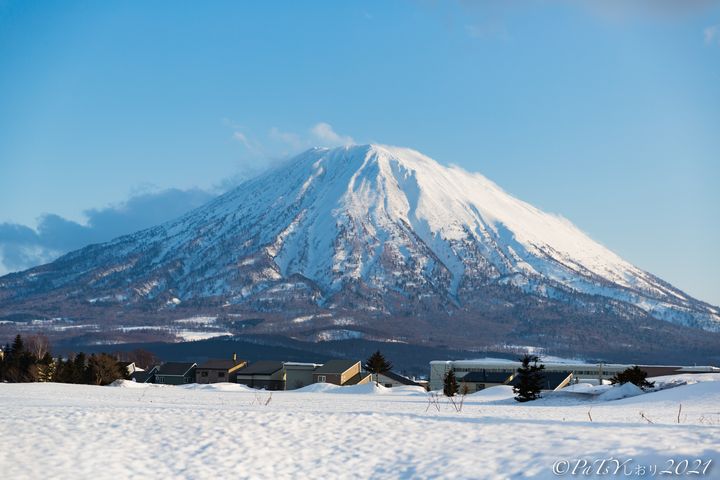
(368, 231)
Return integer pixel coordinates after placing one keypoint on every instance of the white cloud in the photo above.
(712, 34)
(293, 140)
(246, 141)
(324, 133)
(241, 137)
(261, 150)
(23, 247)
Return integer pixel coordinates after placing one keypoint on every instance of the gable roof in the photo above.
(263, 367)
(177, 369)
(399, 378)
(358, 378)
(143, 377)
(220, 364)
(336, 366)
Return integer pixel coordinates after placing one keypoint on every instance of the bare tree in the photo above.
(141, 357)
(38, 345)
(103, 369)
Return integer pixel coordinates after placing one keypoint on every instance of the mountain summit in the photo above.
(368, 240)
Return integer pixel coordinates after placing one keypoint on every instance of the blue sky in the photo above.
(117, 115)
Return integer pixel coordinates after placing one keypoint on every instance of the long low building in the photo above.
(488, 372)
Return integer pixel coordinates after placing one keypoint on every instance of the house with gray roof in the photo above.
(341, 372)
(219, 370)
(147, 376)
(265, 374)
(176, 373)
(391, 379)
(298, 375)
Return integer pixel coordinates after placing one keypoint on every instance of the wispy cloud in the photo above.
(325, 134)
(277, 142)
(290, 139)
(493, 20)
(640, 8)
(242, 138)
(712, 35)
(240, 134)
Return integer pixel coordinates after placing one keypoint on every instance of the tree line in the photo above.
(31, 361)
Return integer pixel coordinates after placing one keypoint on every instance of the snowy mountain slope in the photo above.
(370, 228)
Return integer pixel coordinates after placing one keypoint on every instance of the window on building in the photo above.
(321, 378)
(204, 374)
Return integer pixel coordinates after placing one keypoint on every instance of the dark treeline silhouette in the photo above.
(31, 361)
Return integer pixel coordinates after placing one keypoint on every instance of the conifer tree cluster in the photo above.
(22, 363)
(377, 364)
(530, 377)
(32, 361)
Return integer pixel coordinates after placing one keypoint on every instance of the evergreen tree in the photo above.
(377, 364)
(18, 346)
(79, 372)
(46, 368)
(530, 379)
(27, 367)
(634, 375)
(17, 362)
(63, 371)
(450, 384)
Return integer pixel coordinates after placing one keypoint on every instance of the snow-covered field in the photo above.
(230, 431)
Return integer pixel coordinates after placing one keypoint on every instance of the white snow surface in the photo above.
(229, 431)
(616, 392)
